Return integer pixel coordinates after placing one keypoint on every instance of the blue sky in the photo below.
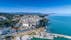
(42, 6)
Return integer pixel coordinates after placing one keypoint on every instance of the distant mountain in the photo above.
(23, 13)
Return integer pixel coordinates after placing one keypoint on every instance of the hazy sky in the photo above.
(42, 6)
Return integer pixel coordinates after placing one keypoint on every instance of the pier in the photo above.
(60, 35)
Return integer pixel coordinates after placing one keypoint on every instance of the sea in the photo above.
(59, 25)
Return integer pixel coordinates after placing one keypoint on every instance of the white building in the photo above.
(28, 21)
(2, 18)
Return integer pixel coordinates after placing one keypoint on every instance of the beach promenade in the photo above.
(60, 35)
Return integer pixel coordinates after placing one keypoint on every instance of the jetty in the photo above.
(60, 35)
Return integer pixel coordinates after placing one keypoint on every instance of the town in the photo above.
(26, 26)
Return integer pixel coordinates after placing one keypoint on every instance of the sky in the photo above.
(42, 6)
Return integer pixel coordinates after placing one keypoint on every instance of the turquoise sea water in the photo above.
(60, 24)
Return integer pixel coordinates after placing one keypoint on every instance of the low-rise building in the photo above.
(2, 18)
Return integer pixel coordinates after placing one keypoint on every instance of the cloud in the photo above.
(60, 10)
